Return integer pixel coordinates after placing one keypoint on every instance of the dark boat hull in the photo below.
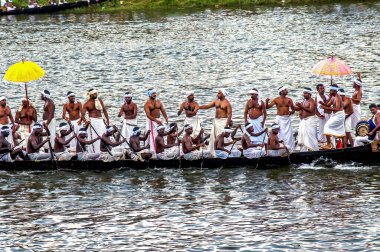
(362, 155)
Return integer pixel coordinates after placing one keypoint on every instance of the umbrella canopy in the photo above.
(332, 67)
(24, 71)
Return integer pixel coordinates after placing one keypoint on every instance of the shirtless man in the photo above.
(191, 108)
(111, 144)
(81, 149)
(223, 116)
(48, 116)
(356, 99)
(26, 116)
(153, 109)
(220, 144)
(276, 146)
(7, 153)
(172, 134)
(36, 142)
(129, 110)
(61, 141)
(322, 114)
(6, 117)
(252, 149)
(285, 108)
(136, 152)
(73, 108)
(165, 151)
(95, 106)
(348, 111)
(307, 132)
(191, 150)
(257, 113)
(335, 125)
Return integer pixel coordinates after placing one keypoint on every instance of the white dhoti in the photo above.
(169, 153)
(307, 134)
(100, 128)
(52, 128)
(286, 132)
(277, 153)
(361, 140)
(196, 123)
(150, 125)
(127, 129)
(356, 116)
(63, 156)
(254, 152)
(217, 129)
(321, 125)
(197, 154)
(257, 128)
(39, 156)
(117, 154)
(25, 133)
(224, 154)
(76, 128)
(335, 125)
(348, 124)
(88, 156)
(137, 156)
(6, 157)
(10, 137)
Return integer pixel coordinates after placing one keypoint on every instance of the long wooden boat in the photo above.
(361, 155)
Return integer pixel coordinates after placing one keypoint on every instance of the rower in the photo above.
(111, 144)
(223, 116)
(95, 106)
(334, 127)
(256, 110)
(220, 151)
(173, 133)
(192, 151)
(129, 110)
(153, 109)
(7, 153)
(61, 140)
(251, 147)
(71, 112)
(356, 99)
(136, 152)
(191, 108)
(348, 111)
(25, 117)
(36, 142)
(6, 117)
(373, 134)
(276, 147)
(48, 116)
(322, 114)
(307, 131)
(285, 108)
(81, 149)
(165, 151)
(33, 4)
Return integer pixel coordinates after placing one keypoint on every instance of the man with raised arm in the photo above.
(165, 151)
(191, 108)
(252, 149)
(6, 117)
(356, 99)
(323, 115)
(153, 109)
(307, 131)
(61, 140)
(257, 113)
(136, 152)
(276, 146)
(220, 144)
(334, 127)
(35, 143)
(48, 116)
(348, 111)
(223, 116)
(191, 150)
(285, 108)
(129, 110)
(7, 152)
(94, 106)
(71, 112)
(81, 149)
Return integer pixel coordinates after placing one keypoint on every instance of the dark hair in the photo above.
(46, 92)
(62, 124)
(373, 105)
(247, 124)
(69, 93)
(90, 89)
(319, 85)
(341, 90)
(172, 124)
(307, 88)
(136, 128)
(334, 85)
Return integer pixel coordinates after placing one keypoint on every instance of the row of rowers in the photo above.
(334, 113)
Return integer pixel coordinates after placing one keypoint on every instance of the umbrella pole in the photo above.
(330, 79)
(27, 106)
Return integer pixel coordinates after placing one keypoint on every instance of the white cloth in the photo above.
(216, 129)
(348, 124)
(307, 134)
(63, 156)
(360, 141)
(224, 155)
(52, 128)
(76, 127)
(195, 122)
(335, 125)
(257, 128)
(276, 153)
(10, 137)
(150, 125)
(117, 154)
(127, 129)
(254, 152)
(24, 133)
(100, 128)
(197, 154)
(356, 116)
(6, 157)
(321, 125)
(88, 156)
(319, 108)
(136, 156)
(169, 153)
(286, 132)
(39, 156)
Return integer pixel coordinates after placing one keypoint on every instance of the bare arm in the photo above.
(64, 110)
(358, 97)
(246, 112)
(210, 105)
(145, 136)
(37, 146)
(271, 104)
(62, 141)
(264, 109)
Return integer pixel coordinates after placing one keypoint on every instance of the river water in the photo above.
(305, 208)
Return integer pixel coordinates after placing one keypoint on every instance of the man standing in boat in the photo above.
(129, 110)
(257, 112)
(48, 116)
(223, 116)
(25, 118)
(94, 106)
(334, 127)
(348, 111)
(356, 99)
(6, 117)
(153, 109)
(285, 108)
(322, 114)
(191, 108)
(73, 108)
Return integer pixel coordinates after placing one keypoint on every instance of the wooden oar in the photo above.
(49, 143)
(12, 149)
(262, 144)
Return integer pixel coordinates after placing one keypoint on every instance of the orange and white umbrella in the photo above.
(332, 67)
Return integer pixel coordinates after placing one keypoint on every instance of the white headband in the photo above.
(82, 130)
(37, 126)
(358, 82)
(227, 130)
(306, 90)
(341, 93)
(152, 91)
(188, 127)
(3, 98)
(128, 96)
(5, 129)
(224, 91)
(64, 127)
(160, 127)
(134, 133)
(252, 91)
(334, 88)
(70, 95)
(282, 89)
(276, 126)
(248, 126)
(45, 95)
(92, 92)
(188, 93)
(109, 129)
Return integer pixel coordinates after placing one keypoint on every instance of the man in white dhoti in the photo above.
(323, 115)
(191, 108)
(334, 127)
(7, 153)
(6, 117)
(374, 126)
(136, 152)
(348, 111)
(193, 151)
(36, 142)
(129, 110)
(276, 146)
(223, 115)
(81, 149)
(285, 108)
(356, 99)
(153, 109)
(73, 108)
(307, 132)
(252, 149)
(257, 112)
(61, 141)
(165, 151)
(111, 147)
(25, 117)
(220, 144)
(48, 116)
(95, 106)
